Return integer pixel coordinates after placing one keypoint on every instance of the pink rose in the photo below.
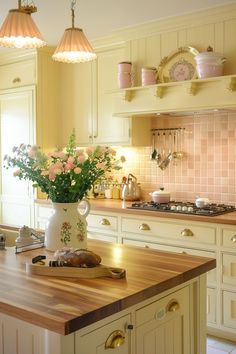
(70, 160)
(90, 150)
(79, 152)
(69, 166)
(16, 173)
(44, 173)
(81, 158)
(77, 170)
(101, 165)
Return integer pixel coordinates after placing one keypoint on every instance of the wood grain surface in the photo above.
(64, 305)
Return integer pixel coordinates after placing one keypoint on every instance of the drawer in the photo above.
(211, 275)
(229, 238)
(163, 308)
(97, 341)
(102, 237)
(102, 222)
(229, 268)
(229, 309)
(180, 232)
(18, 74)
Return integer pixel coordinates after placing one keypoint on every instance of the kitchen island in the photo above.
(163, 293)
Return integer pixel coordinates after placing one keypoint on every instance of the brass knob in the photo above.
(115, 340)
(144, 227)
(233, 239)
(17, 80)
(105, 222)
(146, 246)
(173, 306)
(184, 252)
(187, 232)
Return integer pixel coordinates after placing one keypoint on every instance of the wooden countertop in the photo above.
(117, 206)
(64, 305)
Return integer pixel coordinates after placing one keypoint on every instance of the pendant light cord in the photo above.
(73, 2)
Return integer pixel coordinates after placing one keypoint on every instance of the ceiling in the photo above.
(99, 18)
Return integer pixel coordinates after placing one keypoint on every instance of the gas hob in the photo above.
(184, 208)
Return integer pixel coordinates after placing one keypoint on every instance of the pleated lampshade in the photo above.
(20, 31)
(74, 47)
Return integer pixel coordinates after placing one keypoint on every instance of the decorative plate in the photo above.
(178, 66)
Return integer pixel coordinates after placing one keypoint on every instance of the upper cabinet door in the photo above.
(106, 128)
(76, 102)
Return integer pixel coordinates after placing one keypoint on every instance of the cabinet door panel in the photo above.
(229, 269)
(109, 129)
(17, 118)
(229, 309)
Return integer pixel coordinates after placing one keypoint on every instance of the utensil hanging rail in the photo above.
(166, 129)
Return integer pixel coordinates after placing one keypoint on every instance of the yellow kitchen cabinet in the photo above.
(29, 114)
(156, 321)
(87, 106)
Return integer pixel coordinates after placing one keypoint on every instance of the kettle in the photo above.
(131, 189)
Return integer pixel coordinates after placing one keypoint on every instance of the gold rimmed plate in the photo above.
(180, 65)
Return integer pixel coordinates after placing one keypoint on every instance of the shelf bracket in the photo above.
(191, 88)
(127, 95)
(159, 91)
(231, 84)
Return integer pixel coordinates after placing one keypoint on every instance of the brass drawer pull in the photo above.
(187, 232)
(144, 227)
(146, 246)
(115, 340)
(105, 222)
(173, 306)
(233, 239)
(17, 80)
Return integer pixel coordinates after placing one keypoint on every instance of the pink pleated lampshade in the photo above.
(74, 47)
(20, 31)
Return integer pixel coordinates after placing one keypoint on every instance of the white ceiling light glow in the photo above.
(19, 30)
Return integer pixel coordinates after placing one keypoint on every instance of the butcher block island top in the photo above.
(65, 305)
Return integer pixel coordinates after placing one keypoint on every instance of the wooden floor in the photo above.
(220, 346)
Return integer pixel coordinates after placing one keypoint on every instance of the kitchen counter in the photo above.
(118, 206)
(65, 305)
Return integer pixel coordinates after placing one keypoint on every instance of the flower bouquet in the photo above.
(65, 175)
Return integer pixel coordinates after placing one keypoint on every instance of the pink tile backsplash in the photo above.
(207, 168)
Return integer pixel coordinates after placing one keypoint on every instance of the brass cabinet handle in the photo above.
(115, 340)
(105, 222)
(173, 306)
(146, 246)
(184, 252)
(187, 232)
(233, 239)
(17, 80)
(95, 136)
(144, 227)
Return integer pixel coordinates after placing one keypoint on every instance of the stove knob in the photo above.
(184, 208)
(190, 209)
(173, 207)
(179, 207)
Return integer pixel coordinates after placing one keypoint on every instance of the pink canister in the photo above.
(125, 67)
(148, 76)
(124, 74)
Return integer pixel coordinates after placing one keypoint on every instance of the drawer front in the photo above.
(100, 341)
(102, 222)
(180, 232)
(211, 275)
(162, 309)
(102, 237)
(229, 238)
(229, 268)
(229, 309)
(18, 74)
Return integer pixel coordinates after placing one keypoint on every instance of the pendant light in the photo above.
(19, 29)
(74, 46)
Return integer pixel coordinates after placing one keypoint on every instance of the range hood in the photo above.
(177, 98)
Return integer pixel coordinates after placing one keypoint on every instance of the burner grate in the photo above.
(184, 208)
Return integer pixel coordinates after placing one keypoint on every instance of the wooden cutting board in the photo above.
(74, 272)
